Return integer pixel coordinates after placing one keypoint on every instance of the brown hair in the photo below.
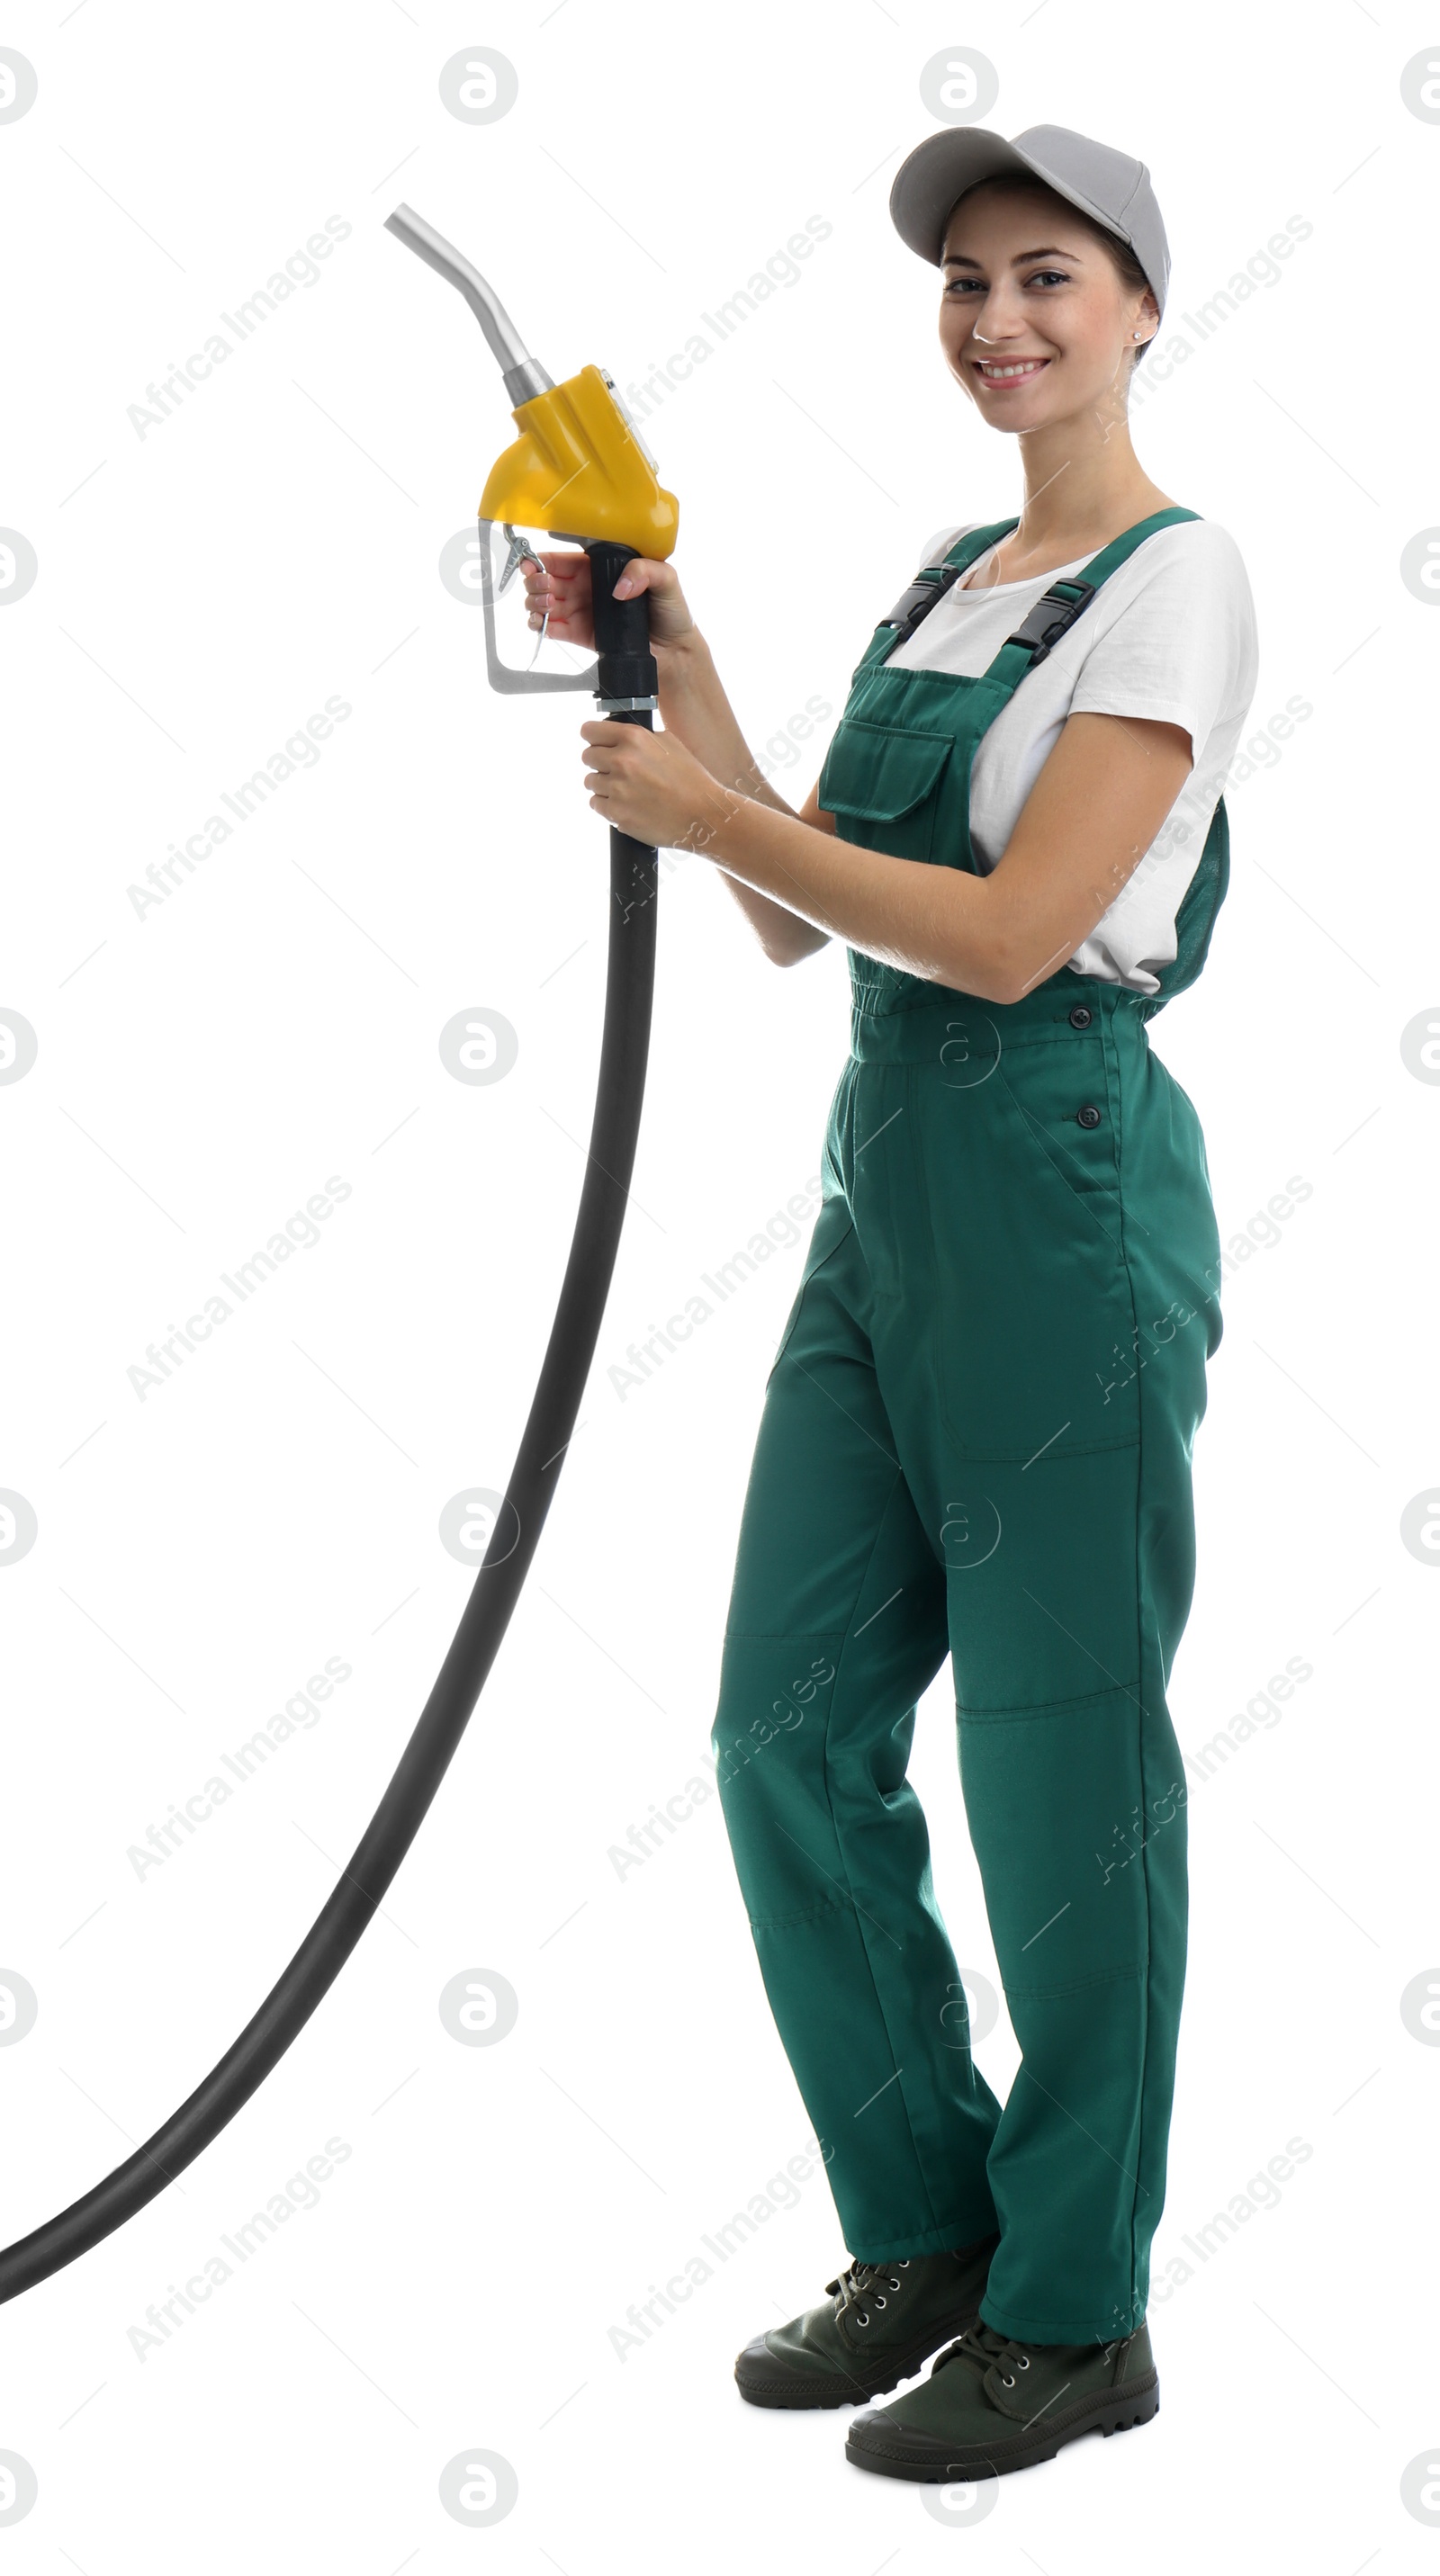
(1122, 258)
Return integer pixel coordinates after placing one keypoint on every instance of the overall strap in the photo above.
(931, 583)
(1056, 610)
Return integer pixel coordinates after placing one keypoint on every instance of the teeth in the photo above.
(1026, 367)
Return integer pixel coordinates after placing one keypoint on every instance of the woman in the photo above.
(977, 1432)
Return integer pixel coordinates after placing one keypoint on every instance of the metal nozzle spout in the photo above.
(524, 375)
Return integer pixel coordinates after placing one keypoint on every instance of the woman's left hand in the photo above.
(650, 786)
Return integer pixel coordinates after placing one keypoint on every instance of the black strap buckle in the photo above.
(916, 601)
(1052, 616)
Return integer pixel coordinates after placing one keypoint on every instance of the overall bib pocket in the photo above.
(882, 784)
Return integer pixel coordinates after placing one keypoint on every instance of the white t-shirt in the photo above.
(1170, 635)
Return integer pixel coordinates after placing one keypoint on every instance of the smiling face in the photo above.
(1035, 318)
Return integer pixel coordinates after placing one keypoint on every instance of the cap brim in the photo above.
(940, 169)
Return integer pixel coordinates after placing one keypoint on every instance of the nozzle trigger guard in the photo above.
(516, 684)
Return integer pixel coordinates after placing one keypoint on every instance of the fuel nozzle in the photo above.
(579, 470)
(579, 467)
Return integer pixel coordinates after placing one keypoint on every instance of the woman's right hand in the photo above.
(564, 588)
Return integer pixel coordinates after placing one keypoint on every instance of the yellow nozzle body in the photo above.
(578, 468)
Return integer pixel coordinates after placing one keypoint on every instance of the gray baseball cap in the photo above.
(1110, 187)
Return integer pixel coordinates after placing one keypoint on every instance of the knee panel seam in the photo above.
(1058, 1449)
(806, 1914)
(1089, 1701)
(1078, 1985)
(784, 1636)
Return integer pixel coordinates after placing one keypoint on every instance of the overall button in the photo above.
(1089, 1116)
(1081, 1016)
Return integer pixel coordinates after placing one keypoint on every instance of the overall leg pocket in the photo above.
(832, 1229)
(1032, 1305)
(833, 1225)
(1179, 1253)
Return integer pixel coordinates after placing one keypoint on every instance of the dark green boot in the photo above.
(880, 2322)
(993, 2403)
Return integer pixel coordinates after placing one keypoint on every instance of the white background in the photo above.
(203, 1070)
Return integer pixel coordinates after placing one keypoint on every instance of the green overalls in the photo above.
(976, 1438)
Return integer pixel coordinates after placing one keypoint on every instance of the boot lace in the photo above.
(982, 2344)
(863, 2286)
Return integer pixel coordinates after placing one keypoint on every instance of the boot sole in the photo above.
(1118, 2411)
(800, 2392)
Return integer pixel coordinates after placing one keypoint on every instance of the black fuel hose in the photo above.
(625, 669)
